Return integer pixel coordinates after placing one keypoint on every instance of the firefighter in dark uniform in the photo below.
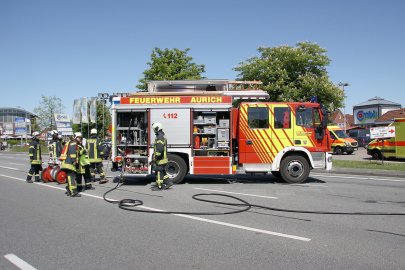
(55, 146)
(83, 170)
(95, 151)
(35, 158)
(70, 163)
(159, 158)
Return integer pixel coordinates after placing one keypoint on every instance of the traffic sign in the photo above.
(382, 132)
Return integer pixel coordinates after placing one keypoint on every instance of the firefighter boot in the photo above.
(89, 187)
(159, 183)
(37, 178)
(29, 178)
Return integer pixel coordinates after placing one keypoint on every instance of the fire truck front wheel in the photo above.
(176, 168)
(294, 169)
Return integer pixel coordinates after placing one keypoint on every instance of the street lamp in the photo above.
(343, 84)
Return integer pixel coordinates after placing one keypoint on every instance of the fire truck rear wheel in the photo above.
(176, 168)
(294, 169)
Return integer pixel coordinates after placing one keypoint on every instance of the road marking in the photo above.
(290, 236)
(237, 193)
(359, 177)
(15, 163)
(19, 262)
(9, 168)
(308, 185)
(246, 228)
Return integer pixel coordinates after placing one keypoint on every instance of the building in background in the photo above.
(337, 118)
(388, 117)
(365, 114)
(16, 122)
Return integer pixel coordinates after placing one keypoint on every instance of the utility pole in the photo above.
(343, 84)
(103, 97)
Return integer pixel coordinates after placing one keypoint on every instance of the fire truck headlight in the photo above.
(347, 143)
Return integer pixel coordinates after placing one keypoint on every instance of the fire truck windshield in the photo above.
(308, 117)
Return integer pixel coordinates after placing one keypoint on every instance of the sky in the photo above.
(79, 48)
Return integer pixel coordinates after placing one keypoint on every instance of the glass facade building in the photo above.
(8, 117)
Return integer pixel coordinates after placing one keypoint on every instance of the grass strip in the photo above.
(372, 165)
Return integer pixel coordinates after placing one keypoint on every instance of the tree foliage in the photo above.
(102, 112)
(46, 109)
(293, 74)
(170, 64)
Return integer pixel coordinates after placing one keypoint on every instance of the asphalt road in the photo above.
(41, 227)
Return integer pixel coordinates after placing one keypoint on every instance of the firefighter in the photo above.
(55, 146)
(159, 158)
(35, 158)
(70, 163)
(83, 170)
(95, 151)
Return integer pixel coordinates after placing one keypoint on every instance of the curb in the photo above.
(353, 171)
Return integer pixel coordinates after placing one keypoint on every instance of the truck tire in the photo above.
(176, 168)
(294, 169)
(338, 150)
(376, 154)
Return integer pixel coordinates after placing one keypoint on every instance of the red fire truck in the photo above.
(220, 127)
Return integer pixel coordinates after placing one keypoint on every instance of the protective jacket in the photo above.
(94, 149)
(35, 152)
(83, 159)
(70, 157)
(160, 149)
(56, 148)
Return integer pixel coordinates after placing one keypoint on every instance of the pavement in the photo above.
(44, 228)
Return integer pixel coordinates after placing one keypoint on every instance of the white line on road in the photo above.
(9, 168)
(309, 185)
(245, 194)
(190, 217)
(15, 163)
(359, 178)
(19, 262)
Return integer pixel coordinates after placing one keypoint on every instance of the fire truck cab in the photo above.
(220, 127)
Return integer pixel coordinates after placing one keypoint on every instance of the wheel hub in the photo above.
(295, 168)
(172, 169)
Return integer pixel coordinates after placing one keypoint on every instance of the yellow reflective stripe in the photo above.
(160, 141)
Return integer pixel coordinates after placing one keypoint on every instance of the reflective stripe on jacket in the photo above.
(72, 157)
(34, 152)
(94, 150)
(56, 148)
(160, 149)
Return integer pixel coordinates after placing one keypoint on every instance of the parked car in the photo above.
(362, 136)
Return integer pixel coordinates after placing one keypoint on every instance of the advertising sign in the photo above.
(8, 128)
(76, 111)
(85, 116)
(63, 124)
(93, 110)
(365, 116)
(20, 131)
(382, 132)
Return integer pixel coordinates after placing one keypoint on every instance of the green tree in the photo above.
(293, 74)
(102, 109)
(46, 109)
(170, 64)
